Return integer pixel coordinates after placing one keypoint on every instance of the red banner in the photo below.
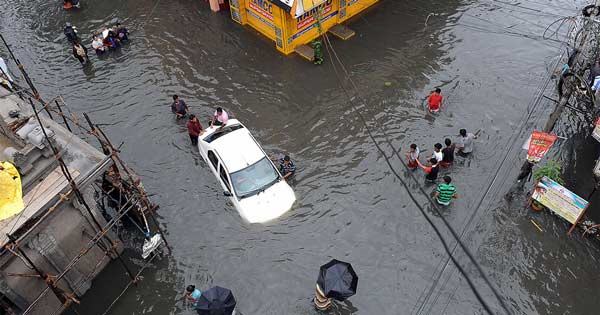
(538, 146)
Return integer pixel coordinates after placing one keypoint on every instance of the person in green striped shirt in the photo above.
(445, 192)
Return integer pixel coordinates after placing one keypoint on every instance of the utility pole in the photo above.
(563, 101)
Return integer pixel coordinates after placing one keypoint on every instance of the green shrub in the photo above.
(552, 170)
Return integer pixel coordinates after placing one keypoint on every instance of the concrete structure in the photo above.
(54, 228)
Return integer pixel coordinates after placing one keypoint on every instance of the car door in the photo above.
(217, 169)
(225, 178)
(214, 162)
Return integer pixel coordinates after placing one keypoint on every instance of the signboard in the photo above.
(305, 26)
(538, 146)
(263, 8)
(309, 17)
(560, 200)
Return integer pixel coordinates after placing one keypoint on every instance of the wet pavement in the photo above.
(489, 59)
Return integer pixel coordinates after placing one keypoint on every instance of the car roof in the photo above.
(237, 150)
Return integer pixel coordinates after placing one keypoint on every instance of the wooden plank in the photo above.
(35, 200)
(305, 52)
(341, 31)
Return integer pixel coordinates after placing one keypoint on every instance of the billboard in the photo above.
(559, 199)
(538, 146)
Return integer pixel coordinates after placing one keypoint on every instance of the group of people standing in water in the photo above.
(219, 119)
(108, 39)
(441, 157)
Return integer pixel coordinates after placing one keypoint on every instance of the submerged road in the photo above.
(490, 60)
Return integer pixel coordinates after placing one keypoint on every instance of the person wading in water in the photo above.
(435, 101)
(431, 170)
(80, 52)
(412, 155)
(194, 129)
(70, 33)
(179, 107)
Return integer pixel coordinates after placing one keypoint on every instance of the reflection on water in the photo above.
(349, 207)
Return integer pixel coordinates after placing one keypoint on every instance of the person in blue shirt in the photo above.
(122, 32)
(287, 167)
(192, 294)
(179, 107)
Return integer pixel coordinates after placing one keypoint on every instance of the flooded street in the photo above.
(490, 60)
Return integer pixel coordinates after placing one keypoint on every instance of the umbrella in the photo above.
(216, 301)
(338, 280)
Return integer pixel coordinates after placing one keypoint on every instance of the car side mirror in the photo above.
(227, 194)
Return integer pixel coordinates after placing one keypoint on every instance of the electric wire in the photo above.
(495, 2)
(328, 44)
(483, 29)
(510, 144)
(537, 101)
(484, 304)
(531, 109)
(571, 19)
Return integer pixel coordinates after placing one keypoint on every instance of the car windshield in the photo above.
(254, 178)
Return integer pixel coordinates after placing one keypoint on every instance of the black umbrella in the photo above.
(338, 280)
(216, 301)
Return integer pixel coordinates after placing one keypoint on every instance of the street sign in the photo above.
(560, 200)
(539, 145)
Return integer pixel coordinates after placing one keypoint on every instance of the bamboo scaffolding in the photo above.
(136, 198)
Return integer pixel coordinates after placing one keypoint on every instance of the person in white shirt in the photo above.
(98, 45)
(220, 118)
(104, 32)
(465, 142)
(437, 152)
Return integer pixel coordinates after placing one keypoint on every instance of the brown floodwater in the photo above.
(488, 57)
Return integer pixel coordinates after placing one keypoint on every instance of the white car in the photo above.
(248, 177)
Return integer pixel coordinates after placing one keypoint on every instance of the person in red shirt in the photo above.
(194, 129)
(431, 171)
(435, 100)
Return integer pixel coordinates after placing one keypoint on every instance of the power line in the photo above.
(536, 102)
(531, 109)
(459, 242)
(528, 8)
(485, 305)
(510, 143)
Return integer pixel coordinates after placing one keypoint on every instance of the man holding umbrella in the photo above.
(216, 301)
(337, 280)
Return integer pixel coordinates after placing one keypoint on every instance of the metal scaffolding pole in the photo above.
(44, 276)
(143, 195)
(74, 187)
(85, 250)
(135, 198)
